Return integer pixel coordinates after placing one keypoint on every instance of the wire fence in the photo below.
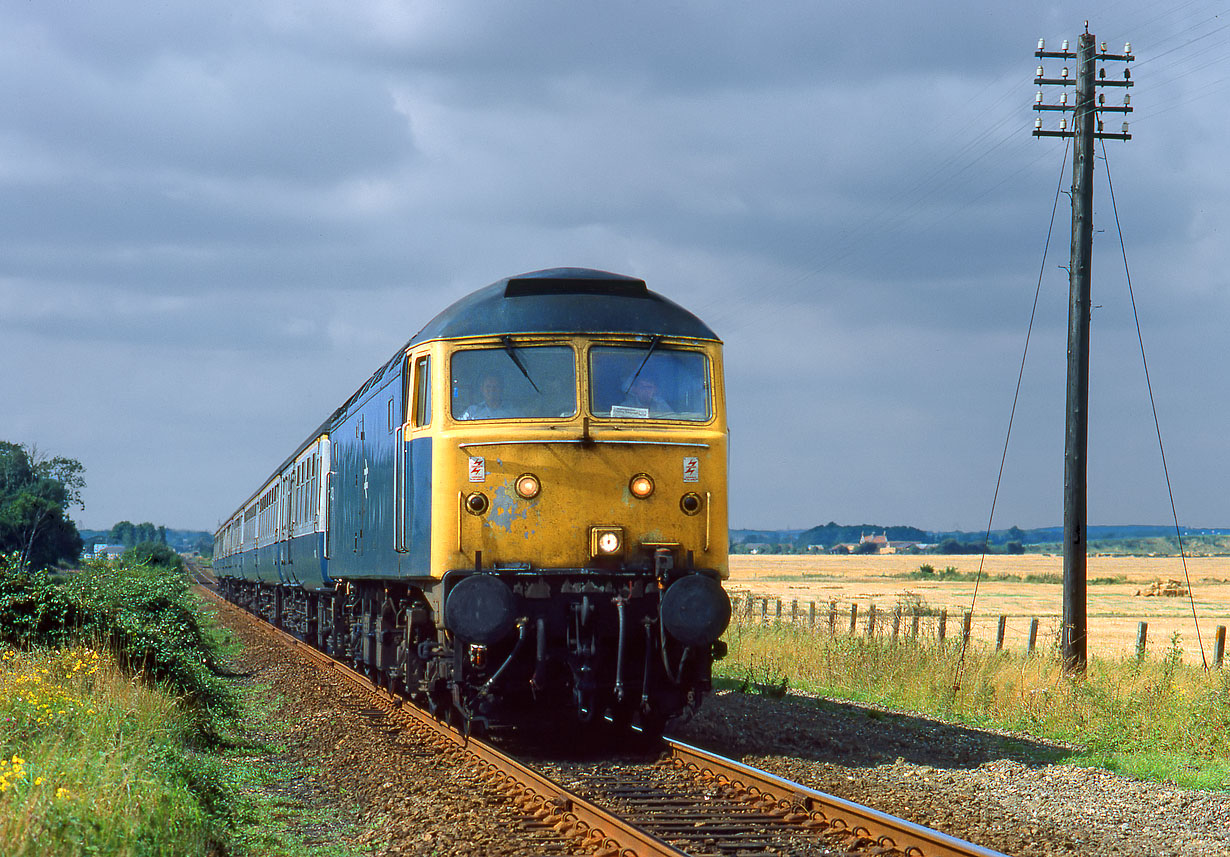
(918, 622)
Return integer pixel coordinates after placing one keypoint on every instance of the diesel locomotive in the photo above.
(520, 518)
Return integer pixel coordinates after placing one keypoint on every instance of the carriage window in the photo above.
(646, 382)
(528, 382)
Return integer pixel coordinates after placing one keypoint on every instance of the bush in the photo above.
(153, 553)
(144, 613)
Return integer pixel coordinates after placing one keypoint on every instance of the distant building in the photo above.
(880, 542)
(108, 550)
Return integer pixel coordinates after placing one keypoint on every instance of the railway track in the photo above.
(687, 803)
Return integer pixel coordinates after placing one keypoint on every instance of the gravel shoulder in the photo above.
(382, 790)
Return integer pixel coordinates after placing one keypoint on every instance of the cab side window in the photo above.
(422, 391)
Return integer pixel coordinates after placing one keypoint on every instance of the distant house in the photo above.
(880, 542)
(108, 550)
(902, 547)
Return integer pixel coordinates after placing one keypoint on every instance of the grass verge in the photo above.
(120, 734)
(1154, 719)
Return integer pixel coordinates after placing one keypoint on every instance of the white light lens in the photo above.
(608, 542)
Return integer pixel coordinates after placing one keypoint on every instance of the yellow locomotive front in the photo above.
(578, 524)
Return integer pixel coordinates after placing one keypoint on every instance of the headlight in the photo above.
(606, 541)
(528, 486)
(641, 486)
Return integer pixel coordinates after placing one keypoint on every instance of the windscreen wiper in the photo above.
(653, 344)
(511, 350)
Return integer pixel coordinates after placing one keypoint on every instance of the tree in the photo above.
(36, 492)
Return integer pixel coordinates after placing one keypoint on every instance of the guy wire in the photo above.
(986, 538)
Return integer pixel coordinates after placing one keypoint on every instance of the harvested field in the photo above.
(1114, 608)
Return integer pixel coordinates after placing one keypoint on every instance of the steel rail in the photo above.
(550, 803)
(816, 810)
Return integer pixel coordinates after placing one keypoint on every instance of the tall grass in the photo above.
(96, 763)
(1157, 719)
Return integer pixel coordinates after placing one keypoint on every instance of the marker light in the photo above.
(641, 486)
(477, 503)
(528, 487)
(690, 502)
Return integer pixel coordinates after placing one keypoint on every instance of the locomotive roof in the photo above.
(564, 300)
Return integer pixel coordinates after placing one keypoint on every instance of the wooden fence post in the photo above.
(794, 611)
(1033, 634)
(853, 616)
(751, 602)
(832, 617)
(914, 625)
(1142, 639)
(811, 614)
(764, 609)
(999, 634)
(943, 624)
(871, 621)
(778, 610)
(966, 626)
(896, 622)
(1219, 646)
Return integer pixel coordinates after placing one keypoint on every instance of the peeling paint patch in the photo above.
(506, 509)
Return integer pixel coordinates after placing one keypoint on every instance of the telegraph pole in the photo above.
(1087, 126)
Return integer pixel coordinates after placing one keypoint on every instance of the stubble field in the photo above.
(1114, 609)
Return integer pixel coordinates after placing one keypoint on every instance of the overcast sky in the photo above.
(216, 219)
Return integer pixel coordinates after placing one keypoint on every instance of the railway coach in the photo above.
(520, 518)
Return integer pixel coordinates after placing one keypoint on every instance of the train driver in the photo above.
(492, 405)
(643, 395)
